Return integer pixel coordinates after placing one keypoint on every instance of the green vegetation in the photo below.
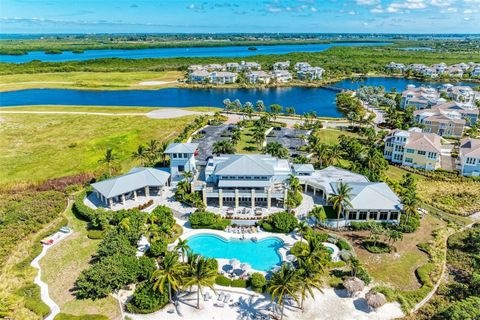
(36, 147)
(282, 222)
(207, 220)
(33, 301)
(64, 316)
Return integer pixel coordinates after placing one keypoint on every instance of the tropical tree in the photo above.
(140, 154)
(152, 150)
(290, 110)
(163, 147)
(236, 136)
(309, 276)
(201, 274)
(170, 274)
(248, 109)
(341, 199)
(258, 134)
(394, 236)
(303, 228)
(187, 175)
(260, 106)
(275, 109)
(294, 183)
(183, 247)
(223, 147)
(108, 158)
(322, 153)
(227, 104)
(318, 212)
(275, 149)
(283, 283)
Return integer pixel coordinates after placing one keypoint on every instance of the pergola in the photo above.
(137, 181)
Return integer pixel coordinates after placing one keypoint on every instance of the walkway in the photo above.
(54, 308)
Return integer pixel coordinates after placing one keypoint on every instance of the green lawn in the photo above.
(100, 109)
(330, 136)
(62, 265)
(247, 144)
(35, 147)
(89, 80)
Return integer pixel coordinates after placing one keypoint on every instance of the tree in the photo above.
(170, 274)
(309, 276)
(341, 199)
(183, 247)
(152, 151)
(394, 235)
(376, 230)
(162, 149)
(275, 149)
(258, 133)
(201, 274)
(302, 229)
(227, 104)
(318, 212)
(187, 175)
(236, 136)
(275, 109)
(260, 106)
(248, 109)
(140, 154)
(294, 183)
(223, 147)
(283, 283)
(108, 159)
(290, 110)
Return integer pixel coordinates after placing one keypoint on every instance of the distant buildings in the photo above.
(469, 157)
(229, 73)
(413, 148)
(458, 70)
(420, 98)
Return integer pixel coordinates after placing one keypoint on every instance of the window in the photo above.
(185, 155)
(408, 160)
(398, 157)
(432, 155)
(383, 215)
(373, 215)
(174, 155)
(422, 153)
(394, 216)
(410, 151)
(470, 161)
(362, 216)
(181, 168)
(352, 216)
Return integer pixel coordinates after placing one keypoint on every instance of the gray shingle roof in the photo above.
(181, 148)
(371, 196)
(137, 178)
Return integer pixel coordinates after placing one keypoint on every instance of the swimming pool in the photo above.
(261, 255)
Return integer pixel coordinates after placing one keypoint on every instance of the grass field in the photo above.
(330, 136)
(61, 267)
(99, 109)
(247, 144)
(89, 80)
(35, 147)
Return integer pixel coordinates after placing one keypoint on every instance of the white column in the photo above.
(220, 198)
(110, 203)
(147, 191)
(204, 195)
(192, 190)
(357, 215)
(388, 216)
(236, 198)
(306, 187)
(314, 191)
(285, 195)
(269, 198)
(253, 199)
(135, 195)
(123, 199)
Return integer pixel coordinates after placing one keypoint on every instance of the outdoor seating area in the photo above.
(243, 229)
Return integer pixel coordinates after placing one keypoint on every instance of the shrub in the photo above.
(33, 301)
(95, 234)
(266, 226)
(409, 226)
(239, 283)
(115, 243)
(299, 249)
(81, 209)
(362, 274)
(145, 205)
(343, 245)
(158, 247)
(223, 281)
(258, 281)
(147, 300)
(357, 226)
(283, 222)
(207, 220)
(378, 247)
(164, 216)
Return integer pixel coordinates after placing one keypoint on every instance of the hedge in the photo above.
(239, 283)
(81, 209)
(96, 234)
(146, 300)
(207, 220)
(223, 281)
(33, 301)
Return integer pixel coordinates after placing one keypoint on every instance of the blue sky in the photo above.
(89, 16)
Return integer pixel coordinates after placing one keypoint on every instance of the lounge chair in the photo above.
(221, 296)
(227, 298)
(219, 304)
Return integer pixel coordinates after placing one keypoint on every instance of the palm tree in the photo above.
(187, 175)
(171, 272)
(319, 214)
(183, 247)
(336, 153)
(260, 106)
(223, 147)
(248, 109)
(236, 136)
(201, 274)
(290, 110)
(108, 158)
(409, 202)
(341, 199)
(258, 134)
(162, 149)
(275, 149)
(152, 150)
(124, 224)
(283, 283)
(303, 229)
(294, 183)
(140, 154)
(310, 278)
(322, 153)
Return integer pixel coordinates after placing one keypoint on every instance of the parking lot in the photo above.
(211, 134)
(289, 138)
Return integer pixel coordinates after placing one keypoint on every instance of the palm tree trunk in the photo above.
(198, 297)
(169, 292)
(338, 219)
(283, 307)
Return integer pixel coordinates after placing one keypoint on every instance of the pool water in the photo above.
(262, 255)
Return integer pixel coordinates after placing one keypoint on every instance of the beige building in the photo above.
(446, 120)
(413, 148)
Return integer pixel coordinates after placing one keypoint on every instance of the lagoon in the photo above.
(303, 99)
(227, 51)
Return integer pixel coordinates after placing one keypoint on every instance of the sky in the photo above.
(225, 16)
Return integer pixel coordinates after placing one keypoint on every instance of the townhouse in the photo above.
(444, 122)
(469, 157)
(310, 73)
(282, 65)
(413, 148)
(259, 77)
(420, 98)
(223, 77)
(282, 76)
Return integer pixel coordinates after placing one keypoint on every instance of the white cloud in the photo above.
(367, 2)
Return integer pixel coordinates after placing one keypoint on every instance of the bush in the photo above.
(357, 226)
(378, 247)
(164, 217)
(283, 222)
(145, 205)
(300, 249)
(239, 283)
(258, 281)
(158, 247)
(81, 209)
(362, 274)
(266, 226)
(65, 316)
(409, 226)
(96, 234)
(223, 281)
(33, 301)
(115, 243)
(207, 220)
(147, 300)
(343, 245)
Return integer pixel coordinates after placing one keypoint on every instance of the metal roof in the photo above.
(245, 165)
(137, 178)
(307, 167)
(243, 183)
(181, 148)
(371, 196)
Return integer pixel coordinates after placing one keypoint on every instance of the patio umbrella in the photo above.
(245, 266)
(353, 285)
(375, 299)
(234, 263)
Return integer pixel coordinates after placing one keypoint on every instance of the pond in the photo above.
(227, 51)
(261, 255)
(303, 99)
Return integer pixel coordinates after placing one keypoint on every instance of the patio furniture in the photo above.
(258, 211)
(221, 296)
(219, 304)
(227, 298)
